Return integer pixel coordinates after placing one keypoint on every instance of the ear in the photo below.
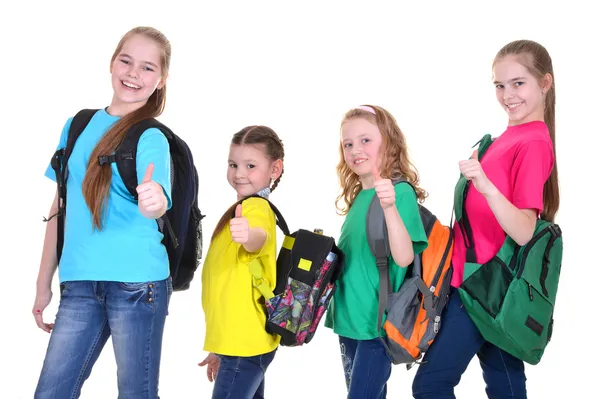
(546, 83)
(276, 169)
(162, 83)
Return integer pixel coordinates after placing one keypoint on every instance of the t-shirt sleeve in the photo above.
(259, 214)
(531, 168)
(408, 208)
(62, 143)
(153, 147)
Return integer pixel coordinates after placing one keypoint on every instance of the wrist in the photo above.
(389, 208)
(491, 193)
(43, 286)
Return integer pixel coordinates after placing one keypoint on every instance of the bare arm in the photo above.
(256, 239)
(49, 261)
(48, 266)
(400, 242)
(519, 224)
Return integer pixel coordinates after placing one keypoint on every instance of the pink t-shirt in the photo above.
(518, 163)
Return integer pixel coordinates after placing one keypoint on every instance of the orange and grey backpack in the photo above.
(414, 312)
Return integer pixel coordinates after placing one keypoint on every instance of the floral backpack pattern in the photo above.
(308, 266)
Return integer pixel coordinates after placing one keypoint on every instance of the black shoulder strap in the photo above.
(59, 163)
(78, 124)
(279, 220)
(126, 154)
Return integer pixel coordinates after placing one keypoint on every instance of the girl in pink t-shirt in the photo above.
(515, 182)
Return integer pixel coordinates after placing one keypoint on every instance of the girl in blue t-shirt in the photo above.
(114, 270)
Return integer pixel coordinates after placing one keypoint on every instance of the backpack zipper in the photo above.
(438, 273)
(530, 245)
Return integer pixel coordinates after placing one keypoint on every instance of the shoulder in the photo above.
(153, 138)
(405, 190)
(153, 133)
(534, 135)
(257, 205)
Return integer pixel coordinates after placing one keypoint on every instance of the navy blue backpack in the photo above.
(181, 225)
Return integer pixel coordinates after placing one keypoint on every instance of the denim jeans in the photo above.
(367, 367)
(91, 311)
(456, 344)
(242, 377)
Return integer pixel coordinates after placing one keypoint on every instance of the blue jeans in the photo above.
(367, 367)
(91, 311)
(242, 377)
(451, 352)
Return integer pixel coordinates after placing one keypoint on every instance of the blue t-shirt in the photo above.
(129, 248)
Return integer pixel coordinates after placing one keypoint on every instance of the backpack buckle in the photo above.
(257, 282)
(555, 230)
(106, 159)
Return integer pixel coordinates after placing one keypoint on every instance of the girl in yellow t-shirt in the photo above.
(235, 315)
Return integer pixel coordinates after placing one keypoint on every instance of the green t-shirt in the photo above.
(353, 311)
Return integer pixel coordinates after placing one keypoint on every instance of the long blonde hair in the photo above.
(395, 162)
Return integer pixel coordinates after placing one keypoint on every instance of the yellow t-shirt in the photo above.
(234, 309)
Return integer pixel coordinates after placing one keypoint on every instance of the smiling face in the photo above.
(250, 170)
(136, 72)
(361, 141)
(518, 91)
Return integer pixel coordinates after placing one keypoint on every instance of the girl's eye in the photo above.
(347, 145)
(148, 69)
(250, 166)
(499, 86)
(519, 84)
(366, 140)
(126, 62)
(232, 165)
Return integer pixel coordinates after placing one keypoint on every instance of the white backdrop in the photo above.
(296, 67)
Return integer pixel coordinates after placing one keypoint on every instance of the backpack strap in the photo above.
(126, 159)
(378, 240)
(463, 221)
(59, 164)
(254, 267)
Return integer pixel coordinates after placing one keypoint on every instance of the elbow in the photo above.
(524, 240)
(404, 260)
(527, 234)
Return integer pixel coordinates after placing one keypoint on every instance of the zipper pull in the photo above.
(436, 324)
(530, 293)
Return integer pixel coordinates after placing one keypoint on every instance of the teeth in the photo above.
(513, 105)
(359, 161)
(131, 85)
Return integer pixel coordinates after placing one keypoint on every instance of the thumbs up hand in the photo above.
(384, 189)
(239, 227)
(471, 169)
(151, 197)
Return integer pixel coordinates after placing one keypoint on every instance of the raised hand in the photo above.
(239, 227)
(471, 169)
(151, 197)
(384, 189)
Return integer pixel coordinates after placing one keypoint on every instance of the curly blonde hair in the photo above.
(395, 162)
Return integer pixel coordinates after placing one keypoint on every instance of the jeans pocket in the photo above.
(140, 292)
(132, 287)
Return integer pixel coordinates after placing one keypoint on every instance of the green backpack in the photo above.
(511, 298)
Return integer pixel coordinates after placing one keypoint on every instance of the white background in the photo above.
(296, 67)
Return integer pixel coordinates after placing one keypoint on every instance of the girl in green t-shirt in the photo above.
(373, 151)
